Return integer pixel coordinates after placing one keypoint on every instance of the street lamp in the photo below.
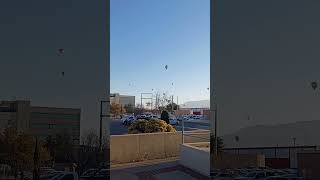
(102, 115)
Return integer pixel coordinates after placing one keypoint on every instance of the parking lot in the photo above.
(116, 127)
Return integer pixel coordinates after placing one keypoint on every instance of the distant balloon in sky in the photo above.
(236, 138)
(166, 66)
(60, 51)
(314, 85)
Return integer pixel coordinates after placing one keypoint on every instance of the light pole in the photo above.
(101, 117)
(294, 141)
(215, 129)
(213, 21)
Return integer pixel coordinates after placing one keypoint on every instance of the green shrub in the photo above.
(150, 126)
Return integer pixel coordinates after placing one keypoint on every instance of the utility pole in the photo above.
(141, 101)
(172, 104)
(177, 103)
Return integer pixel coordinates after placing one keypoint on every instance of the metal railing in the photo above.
(194, 135)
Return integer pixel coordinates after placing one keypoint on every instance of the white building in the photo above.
(122, 99)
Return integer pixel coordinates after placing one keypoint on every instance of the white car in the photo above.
(128, 120)
(154, 117)
(66, 176)
(173, 121)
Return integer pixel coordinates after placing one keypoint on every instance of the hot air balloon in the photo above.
(60, 51)
(236, 138)
(314, 85)
(166, 66)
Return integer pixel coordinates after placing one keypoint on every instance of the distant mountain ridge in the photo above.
(304, 132)
(196, 104)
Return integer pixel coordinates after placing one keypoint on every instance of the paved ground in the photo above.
(116, 128)
(155, 170)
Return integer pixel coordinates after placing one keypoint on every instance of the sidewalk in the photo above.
(155, 170)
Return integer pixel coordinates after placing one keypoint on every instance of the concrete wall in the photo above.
(238, 161)
(195, 157)
(147, 146)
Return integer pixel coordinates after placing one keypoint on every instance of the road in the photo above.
(116, 127)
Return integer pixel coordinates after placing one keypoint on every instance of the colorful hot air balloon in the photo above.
(314, 85)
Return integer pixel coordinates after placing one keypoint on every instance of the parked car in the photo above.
(291, 171)
(276, 178)
(223, 176)
(292, 177)
(128, 120)
(66, 176)
(154, 117)
(173, 121)
(142, 116)
(50, 175)
(90, 172)
(102, 174)
(256, 175)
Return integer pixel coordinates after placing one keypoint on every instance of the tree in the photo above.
(19, 150)
(165, 116)
(129, 108)
(51, 145)
(89, 148)
(117, 109)
(90, 138)
(150, 126)
(138, 109)
(169, 107)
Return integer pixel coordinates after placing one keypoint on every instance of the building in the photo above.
(122, 99)
(195, 111)
(40, 121)
(275, 157)
(308, 164)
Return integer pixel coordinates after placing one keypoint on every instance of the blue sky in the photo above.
(148, 34)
